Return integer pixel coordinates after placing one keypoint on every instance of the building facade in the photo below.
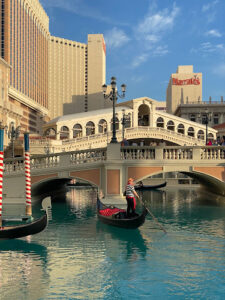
(76, 74)
(184, 86)
(24, 35)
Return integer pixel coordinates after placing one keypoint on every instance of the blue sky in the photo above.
(147, 39)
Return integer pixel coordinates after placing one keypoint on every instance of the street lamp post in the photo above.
(113, 96)
(208, 116)
(13, 134)
(124, 120)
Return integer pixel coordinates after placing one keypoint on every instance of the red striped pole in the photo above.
(1, 168)
(27, 174)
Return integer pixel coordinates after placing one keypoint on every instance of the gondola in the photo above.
(22, 230)
(114, 216)
(149, 187)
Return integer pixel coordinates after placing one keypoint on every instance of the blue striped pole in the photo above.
(27, 174)
(1, 168)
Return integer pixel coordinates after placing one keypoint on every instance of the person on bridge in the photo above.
(130, 197)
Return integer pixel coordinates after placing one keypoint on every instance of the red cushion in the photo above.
(110, 211)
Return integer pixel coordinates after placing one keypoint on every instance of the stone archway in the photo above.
(143, 115)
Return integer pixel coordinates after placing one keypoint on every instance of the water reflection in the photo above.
(23, 269)
(132, 240)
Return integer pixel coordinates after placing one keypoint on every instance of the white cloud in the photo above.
(154, 26)
(150, 32)
(213, 33)
(79, 7)
(160, 51)
(138, 60)
(207, 7)
(208, 48)
(219, 70)
(116, 38)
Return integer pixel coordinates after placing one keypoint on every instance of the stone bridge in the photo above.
(109, 168)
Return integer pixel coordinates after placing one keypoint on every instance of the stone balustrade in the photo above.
(102, 139)
(127, 153)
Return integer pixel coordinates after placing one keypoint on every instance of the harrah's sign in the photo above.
(193, 80)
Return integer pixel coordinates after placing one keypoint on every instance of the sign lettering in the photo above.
(194, 81)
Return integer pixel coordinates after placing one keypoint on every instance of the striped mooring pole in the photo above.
(27, 174)
(1, 168)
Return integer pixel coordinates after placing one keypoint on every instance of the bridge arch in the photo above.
(144, 115)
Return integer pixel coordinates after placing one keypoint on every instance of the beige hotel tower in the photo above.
(45, 76)
(77, 72)
(184, 86)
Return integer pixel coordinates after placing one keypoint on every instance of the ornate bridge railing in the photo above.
(163, 154)
(207, 153)
(16, 165)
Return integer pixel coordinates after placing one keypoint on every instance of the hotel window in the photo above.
(216, 119)
(193, 117)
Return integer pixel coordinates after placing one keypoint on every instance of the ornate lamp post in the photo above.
(208, 116)
(13, 134)
(113, 96)
(124, 120)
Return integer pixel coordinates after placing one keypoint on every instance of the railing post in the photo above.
(159, 153)
(64, 160)
(196, 153)
(113, 151)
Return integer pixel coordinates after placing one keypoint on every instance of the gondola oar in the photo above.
(154, 218)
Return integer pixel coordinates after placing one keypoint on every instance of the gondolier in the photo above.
(130, 197)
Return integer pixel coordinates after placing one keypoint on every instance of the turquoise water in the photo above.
(77, 257)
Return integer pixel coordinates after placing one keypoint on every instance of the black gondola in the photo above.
(149, 187)
(22, 230)
(114, 216)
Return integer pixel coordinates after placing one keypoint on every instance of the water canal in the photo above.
(77, 257)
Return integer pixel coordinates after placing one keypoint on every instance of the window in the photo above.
(216, 119)
(160, 122)
(170, 126)
(180, 128)
(191, 131)
(193, 117)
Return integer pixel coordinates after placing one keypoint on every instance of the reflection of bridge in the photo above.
(108, 168)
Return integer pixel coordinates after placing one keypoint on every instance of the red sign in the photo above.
(194, 81)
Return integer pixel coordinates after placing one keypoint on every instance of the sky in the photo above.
(146, 40)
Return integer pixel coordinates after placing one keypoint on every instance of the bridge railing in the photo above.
(88, 156)
(158, 153)
(133, 152)
(173, 152)
(15, 165)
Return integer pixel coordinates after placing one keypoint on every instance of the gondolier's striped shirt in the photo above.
(129, 190)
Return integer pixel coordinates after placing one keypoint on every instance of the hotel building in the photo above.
(77, 72)
(184, 86)
(24, 35)
(47, 76)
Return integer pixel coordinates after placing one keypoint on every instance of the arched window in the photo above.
(143, 115)
(180, 128)
(90, 128)
(201, 135)
(191, 131)
(160, 122)
(50, 133)
(102, 126)
(170, 125)
(126, 122)
(64, 133)
(117, 124)
(77, 131)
